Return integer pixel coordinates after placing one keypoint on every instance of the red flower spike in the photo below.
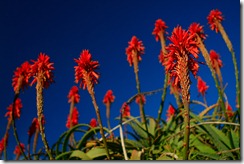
(85, 63)
(213, 17)
(74, 118)
(42, 67)
(17, 150)
(229, 111)
(196, 28)
(126, 109)
(140, 98)
(93, 123)
(160, 26)
(215, 59)
(109, 97)
(21, 73)
(201, 86)
(170, 112)
(183, 43)
(17, 109)
(74, 93)
(2, 145)
(136, 46)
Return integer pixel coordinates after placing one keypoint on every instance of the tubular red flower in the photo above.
(126, 110)
(196, 28)
(21, 76)
(74, 93)
(17, 150)
(42, 67)
(85, 63)
(17, 110)
(229, 111)
(109, 97)
(170, 112)
(215, 59)
(74, 118)
(160, 26)
(201, 86)
(214, 17)
(93, 123)
(140, 98)
(35, 125)
(183, 43)
(136, 46)
(2, 145)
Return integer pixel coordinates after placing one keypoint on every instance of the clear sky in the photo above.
(62, 29)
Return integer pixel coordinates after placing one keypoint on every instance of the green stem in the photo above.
(14, 126)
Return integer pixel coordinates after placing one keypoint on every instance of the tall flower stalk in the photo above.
(108, 100)
(197, 30)
(181, 56)
(215, 18)
(41, 71)
(86, 75)
(159, 32)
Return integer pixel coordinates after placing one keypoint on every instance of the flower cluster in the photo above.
(214, 17)
(74, 118)
(201, 86)
(135, 47)
(170, 112)
(17, 109)
(86, 69)
(35, 126)
(140, 98)
(93, 123)
(73, 95)
(109, 97)
(41, 69)
(126, 110)
(183, 45)
(160, 27)
(215, 60)
(17, 150)
(196, 28)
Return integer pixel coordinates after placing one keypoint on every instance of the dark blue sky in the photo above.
(63, 29)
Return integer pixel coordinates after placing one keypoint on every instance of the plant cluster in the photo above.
(214, 134)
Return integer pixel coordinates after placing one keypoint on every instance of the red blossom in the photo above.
(140, 98)
(93, 123)
(135, 46)
(215, 59)
(126, 110)
(74, 95)
(35, 125)
(201, 86)
(17, 109)
(88, 66)
(160, 26)
(17, 150)
(196, 28)
(42, 68)
(2, 145)
(183, 43)
(21, 76)
(109, 97)
(74, 118)
(214, 17)
(170, 112)
(229, 111)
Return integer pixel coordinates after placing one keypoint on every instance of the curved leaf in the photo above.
(79, 154)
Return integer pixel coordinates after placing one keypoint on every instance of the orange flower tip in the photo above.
(86, 67)
(74, 118)
(109, 97)
(160, 26)
(170, 112)
(215, 59)
(135, 46)
(213, 17)
(93, 123)
(140, 98)
(74, 95)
